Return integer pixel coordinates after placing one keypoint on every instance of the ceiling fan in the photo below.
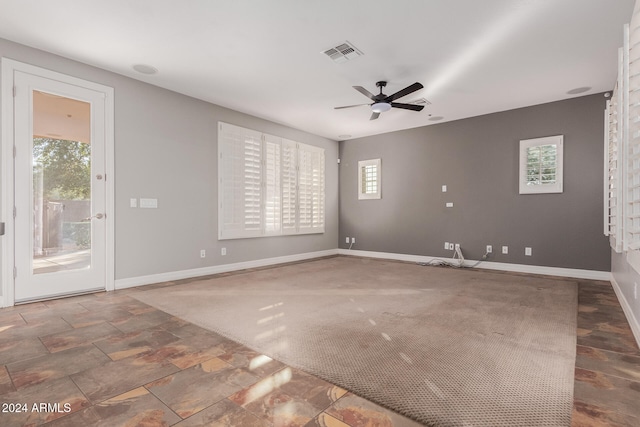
(382, 102)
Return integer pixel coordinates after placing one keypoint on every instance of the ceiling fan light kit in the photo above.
(380, 107)
(382, 102)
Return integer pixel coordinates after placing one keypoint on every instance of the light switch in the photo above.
(444, 188)
(149, 203)
(133, 203)
(449, 204)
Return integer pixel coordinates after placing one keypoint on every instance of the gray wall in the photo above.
(166, 148)
(477, 159)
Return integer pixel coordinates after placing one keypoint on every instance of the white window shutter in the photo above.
(289, 187)
(369, 179)
(240, 182)
(272, 185)
(631, 78)
(268, 185)
(613, 171)
(305, 190)
(317, 166)
(541, 165)
(310, 189)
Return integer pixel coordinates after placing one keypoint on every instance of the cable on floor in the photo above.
(457, 261)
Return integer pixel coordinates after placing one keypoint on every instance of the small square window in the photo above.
(541, 165)
(369, 182)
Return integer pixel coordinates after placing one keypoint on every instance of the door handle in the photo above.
(96, 216)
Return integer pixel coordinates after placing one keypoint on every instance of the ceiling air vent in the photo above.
(419, 101)
(342, 53)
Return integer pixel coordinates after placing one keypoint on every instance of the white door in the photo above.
(59, 188)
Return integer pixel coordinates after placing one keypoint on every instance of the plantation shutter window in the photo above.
(613, 171)
(310, 189)
(622, 149)
(272, 185)
(369, 179)
(241, 182)
(631, 78)
(317, 164)
(268, 185)
(289, 186)
(541, 165)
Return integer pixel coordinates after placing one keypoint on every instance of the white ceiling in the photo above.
(265, 58)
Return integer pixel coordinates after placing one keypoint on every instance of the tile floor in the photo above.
(108, 359)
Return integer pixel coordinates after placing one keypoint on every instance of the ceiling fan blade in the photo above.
(349, 106)
(404, 92)
(365, 92)
(374, 116)
(407, 106)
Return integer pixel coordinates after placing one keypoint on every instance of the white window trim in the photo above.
(302, 172)
(556, 187)
(363, 195)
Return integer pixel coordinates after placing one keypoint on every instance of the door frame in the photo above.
(7, 189)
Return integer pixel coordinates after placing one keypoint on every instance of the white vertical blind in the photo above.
(268, 185)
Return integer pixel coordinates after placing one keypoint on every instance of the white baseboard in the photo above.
(628, 312)
(224, 268)
(501, 266)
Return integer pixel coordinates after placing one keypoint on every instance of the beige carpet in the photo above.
(446, 347)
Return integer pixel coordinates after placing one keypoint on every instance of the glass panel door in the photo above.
(61, 183)
(60, 191)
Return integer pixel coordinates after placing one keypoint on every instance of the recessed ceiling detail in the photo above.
(579, 90)
(145, 69)
(343, 52)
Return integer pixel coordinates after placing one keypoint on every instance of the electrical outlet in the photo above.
(489, 249)
(203, 253)
(133, 203)
(444, 188)
(505, 250)
(527, 251)
(457, 246)
(347, 240)
(353, 240)
(446, 245)
(223, 251)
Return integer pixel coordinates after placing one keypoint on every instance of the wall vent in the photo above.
(343, 52)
